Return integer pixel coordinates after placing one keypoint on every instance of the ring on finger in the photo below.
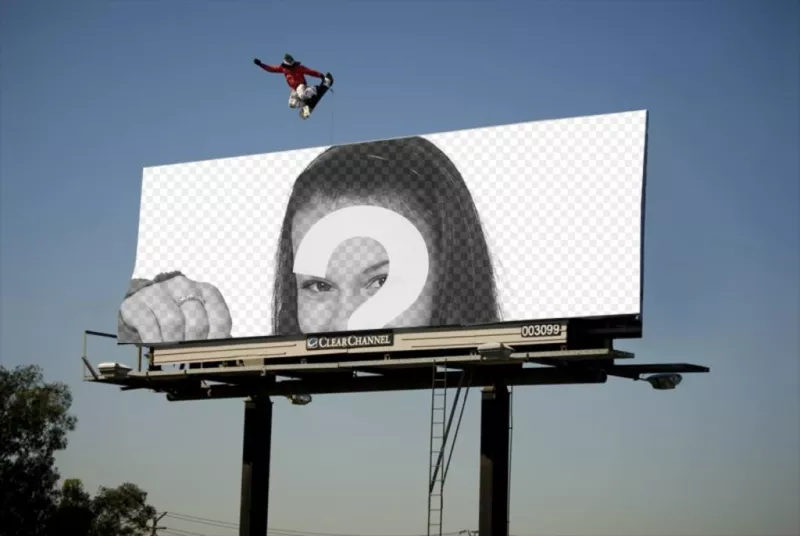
(191, 297)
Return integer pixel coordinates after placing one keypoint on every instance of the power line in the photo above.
(276, 531)
(181, 532)
(156, 528)
(284, 532)
(204, 521)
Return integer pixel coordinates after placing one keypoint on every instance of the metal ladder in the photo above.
(437, 450)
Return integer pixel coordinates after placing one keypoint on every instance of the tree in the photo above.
(120, 511)
(34, 423)
(73, 515)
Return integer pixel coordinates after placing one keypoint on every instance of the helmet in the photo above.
(288, 59)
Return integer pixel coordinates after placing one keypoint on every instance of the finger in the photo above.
(137, 316)
(169, 316)
(189, 299)
(180, 287)
(195, 320)
(125, 333)
(220, 322)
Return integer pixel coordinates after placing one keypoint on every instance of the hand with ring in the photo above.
(173, 308)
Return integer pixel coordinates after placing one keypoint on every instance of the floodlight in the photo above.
(299, 400)
(113, 370)
(664, 382)
(495, 350)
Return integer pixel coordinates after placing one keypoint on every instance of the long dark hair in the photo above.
(419, 174)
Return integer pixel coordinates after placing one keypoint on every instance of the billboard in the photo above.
(352, 246)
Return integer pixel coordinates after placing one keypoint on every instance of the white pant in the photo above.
(301, 94)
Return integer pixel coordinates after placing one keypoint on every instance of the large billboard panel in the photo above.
(463, 229)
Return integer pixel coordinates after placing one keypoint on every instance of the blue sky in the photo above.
(92, 91)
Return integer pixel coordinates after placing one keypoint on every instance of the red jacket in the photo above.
(294, 75)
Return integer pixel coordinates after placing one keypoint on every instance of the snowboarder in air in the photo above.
(295, 72)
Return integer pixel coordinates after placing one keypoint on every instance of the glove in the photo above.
(257, 61)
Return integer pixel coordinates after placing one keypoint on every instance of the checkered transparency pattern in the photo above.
(560, 203)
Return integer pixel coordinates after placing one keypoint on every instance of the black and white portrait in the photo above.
(528, 221)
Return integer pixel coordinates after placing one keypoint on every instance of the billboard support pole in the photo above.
(254, 506)
(494, 493)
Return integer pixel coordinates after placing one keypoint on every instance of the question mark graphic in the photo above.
(408, 258)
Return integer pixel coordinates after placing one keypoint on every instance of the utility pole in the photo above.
(156, 519)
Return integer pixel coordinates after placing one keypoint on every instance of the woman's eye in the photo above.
(378, 282)
(316, 286)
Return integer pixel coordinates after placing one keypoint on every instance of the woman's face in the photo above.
(356, 271)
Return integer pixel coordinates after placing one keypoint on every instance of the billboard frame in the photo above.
(573, 333)
(587, 357)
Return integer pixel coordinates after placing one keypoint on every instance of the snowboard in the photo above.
(322, 89)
